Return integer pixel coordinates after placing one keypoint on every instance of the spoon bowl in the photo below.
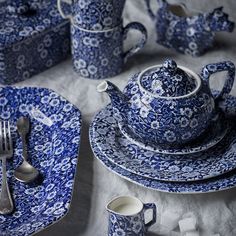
(26, 173)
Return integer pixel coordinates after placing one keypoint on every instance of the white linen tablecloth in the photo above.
(94, 184)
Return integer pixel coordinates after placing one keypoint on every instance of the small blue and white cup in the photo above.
(93, 14)
(100, 54)
(126, 216)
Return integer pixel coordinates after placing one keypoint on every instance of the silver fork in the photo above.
(6, 152)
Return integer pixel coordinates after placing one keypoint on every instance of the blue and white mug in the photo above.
(126, 216)
(100, 54)
(94, 14)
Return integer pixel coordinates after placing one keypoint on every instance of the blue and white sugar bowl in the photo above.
(168, 104)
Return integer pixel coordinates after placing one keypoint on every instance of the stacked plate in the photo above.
(203, 166)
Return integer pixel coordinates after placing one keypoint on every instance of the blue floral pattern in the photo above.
(168, 80)
(96, 14)
(119, 150)
(53, 149)
(121, 225)
(214, 134)
(100, 54)
(192, 35)
(220, 183)
(31, 43)
(168, 121)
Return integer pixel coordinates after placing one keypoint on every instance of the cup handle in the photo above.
(152, 206)
(210, 69)
(61, 11)
(142, 41)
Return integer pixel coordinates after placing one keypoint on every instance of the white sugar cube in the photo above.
(170, 219)
(174, 233)
(188, 224)
(189, 214)
(192, 233)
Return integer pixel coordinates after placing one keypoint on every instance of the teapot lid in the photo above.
(169, 80)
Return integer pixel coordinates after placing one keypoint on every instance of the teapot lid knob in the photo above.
(170, 66)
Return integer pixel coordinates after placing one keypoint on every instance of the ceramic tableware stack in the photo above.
(168, 130)
(98, 36)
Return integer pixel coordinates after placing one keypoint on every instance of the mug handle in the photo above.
(210, 69)
(152, 206)
(140, 44)
(61, 11)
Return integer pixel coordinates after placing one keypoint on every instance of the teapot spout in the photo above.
(118, 100)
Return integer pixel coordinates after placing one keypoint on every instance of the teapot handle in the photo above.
(210, 69)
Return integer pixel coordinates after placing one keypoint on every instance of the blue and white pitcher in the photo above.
(187, 32)
(126, 216)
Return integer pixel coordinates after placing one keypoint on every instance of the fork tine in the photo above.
(1, 136)
(1, 144)
(9, 135)
(5, 135)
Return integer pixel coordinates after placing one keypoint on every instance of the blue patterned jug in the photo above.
(126, 216)
(188, 32)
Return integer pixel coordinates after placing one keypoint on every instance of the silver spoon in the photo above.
(25, 172)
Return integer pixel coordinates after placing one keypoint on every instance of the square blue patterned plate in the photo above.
(53, 149)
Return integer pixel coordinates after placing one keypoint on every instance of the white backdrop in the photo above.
(95, 185)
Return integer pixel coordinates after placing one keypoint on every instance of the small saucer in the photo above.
(214, 134)
(166, 167)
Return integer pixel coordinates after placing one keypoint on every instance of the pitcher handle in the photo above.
(210, 69)
(151, 206)
(61, 11)
(139, 27)
(150, 12)
(161, 3)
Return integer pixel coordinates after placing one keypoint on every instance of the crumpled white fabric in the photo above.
(94, 184)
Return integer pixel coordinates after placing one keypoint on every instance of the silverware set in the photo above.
(25, 173)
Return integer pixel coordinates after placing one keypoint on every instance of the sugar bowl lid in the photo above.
(169, 80)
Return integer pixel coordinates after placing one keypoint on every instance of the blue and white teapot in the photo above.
(168, 104)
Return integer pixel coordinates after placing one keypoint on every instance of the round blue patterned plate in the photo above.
(214, 134)
(53, 149)
(198, 166)
(219, 183)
